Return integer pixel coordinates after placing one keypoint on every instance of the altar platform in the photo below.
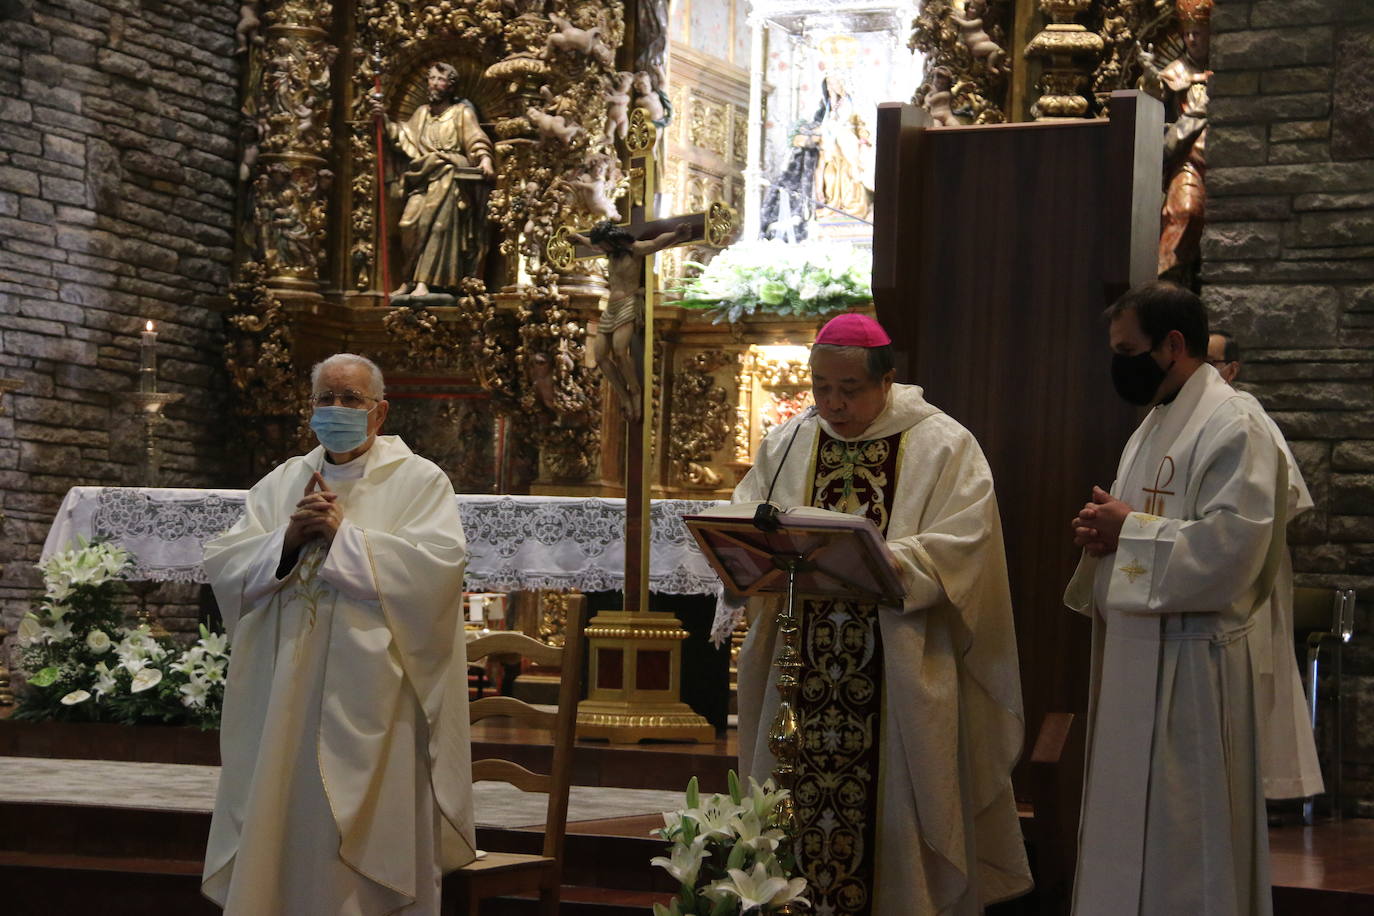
(129, 835)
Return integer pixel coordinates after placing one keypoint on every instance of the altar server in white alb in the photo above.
(1179, 563)
(910, 716)
(346, 779)
(1288, 751)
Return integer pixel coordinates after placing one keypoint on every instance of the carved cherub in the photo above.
(650, 99)
(247, 29)
(975, 37)
(585, 41)
(938, 99)
(555, 126)
(618, 105)
(590, 188)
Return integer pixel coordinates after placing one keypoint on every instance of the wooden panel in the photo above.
(996, 250)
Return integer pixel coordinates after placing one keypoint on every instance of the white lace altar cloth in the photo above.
(514, 542)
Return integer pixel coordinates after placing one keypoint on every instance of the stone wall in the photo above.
(118, 130)
(1289, 269)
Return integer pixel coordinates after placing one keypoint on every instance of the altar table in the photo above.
(514, 542)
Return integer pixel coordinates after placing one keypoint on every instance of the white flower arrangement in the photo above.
(773, 277)
(85, 665)
(729, 854)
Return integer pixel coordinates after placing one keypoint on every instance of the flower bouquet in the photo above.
(772, 277)
(84, 665)
(729, 854)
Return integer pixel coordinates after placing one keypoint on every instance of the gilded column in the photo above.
(288, 100)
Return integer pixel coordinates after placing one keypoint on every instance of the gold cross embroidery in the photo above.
(1134, 571)
(1154, 502)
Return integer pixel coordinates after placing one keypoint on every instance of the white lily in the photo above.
(104, 679)
(215, 644)
(684, 861)
(194, 692)
(757, 888)
(60, 631)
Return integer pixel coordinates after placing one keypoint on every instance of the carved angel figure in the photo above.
(975, 37)
(555, 126)
(938, 98)
(618, 105)
(590, 189)
(650, 99)
(583, 41)
(247, 29)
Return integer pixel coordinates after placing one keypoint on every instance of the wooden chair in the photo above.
(1325, 615)
(503, 873)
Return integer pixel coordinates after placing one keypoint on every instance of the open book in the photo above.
(838, 555)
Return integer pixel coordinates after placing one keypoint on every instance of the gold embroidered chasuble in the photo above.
(918, 788)
(346, 778)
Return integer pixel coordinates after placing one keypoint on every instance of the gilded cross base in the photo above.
(633, 675)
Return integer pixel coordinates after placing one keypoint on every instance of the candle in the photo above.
(147, 360)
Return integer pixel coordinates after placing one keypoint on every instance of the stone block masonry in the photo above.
(1288, 268)
(118, 127)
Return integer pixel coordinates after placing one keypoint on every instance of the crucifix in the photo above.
(624, 351)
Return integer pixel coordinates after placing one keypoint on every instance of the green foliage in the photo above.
(88, 667)
(777, 278)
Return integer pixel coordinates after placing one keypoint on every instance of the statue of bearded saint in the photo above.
(448, 172)
(1182, 86)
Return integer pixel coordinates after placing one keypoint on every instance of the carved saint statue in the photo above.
(1182, 86)
(619, 344)
(449, 165)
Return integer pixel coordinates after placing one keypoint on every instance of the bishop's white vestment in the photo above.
(1288, 752)
(346, 778)
(1173, 813)
(911, 717)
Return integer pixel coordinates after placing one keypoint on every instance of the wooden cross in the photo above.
(713, 225)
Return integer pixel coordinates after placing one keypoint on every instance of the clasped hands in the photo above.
(1097, 526)
(317, 515)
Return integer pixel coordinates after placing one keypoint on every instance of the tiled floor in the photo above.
(182, 787)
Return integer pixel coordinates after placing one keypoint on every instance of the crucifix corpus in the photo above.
(635, 652)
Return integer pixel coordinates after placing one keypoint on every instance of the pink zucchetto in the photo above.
(853, 330)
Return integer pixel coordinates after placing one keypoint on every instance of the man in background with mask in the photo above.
(1179, 561)
(910, 716)
(346, 779)
(1288, 749)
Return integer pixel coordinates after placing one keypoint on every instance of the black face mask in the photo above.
(1137, 378)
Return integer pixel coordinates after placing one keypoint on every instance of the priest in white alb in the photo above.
(346, 778)
(910, 716)
(1288, 751)
(1179, 563)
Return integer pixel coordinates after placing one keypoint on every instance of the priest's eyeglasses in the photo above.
(346, 399)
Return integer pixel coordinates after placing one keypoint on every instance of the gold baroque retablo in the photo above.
(642, 134)
(720, 224)
(559, 249)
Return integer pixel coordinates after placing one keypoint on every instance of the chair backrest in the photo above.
(561, 723)
(1325, 610)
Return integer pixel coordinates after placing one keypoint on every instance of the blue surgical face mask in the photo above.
(340, 429)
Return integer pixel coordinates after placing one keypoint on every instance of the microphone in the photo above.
(766, 515)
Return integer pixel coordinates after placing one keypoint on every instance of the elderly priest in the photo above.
(346, 784)
(910, 716)
(1179, 562)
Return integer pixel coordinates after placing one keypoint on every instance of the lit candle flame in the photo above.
(149, 325)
